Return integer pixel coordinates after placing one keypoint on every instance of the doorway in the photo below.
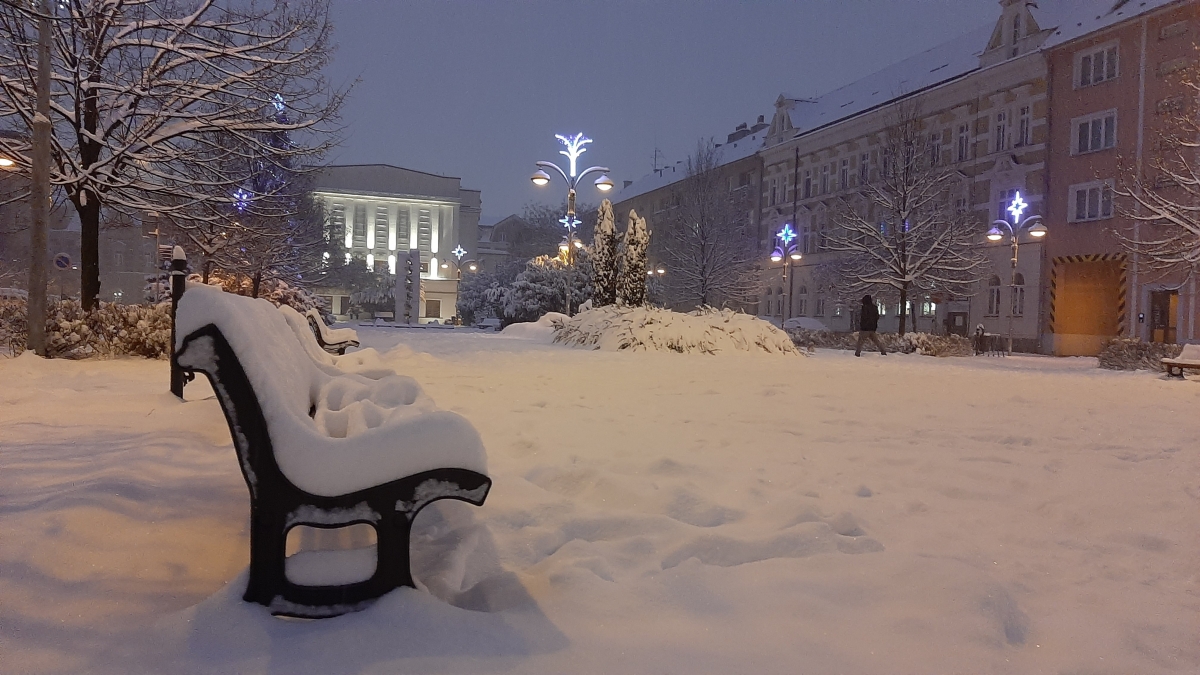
(1164, 307)
(956, 323)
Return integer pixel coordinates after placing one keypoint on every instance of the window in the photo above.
(964, 142)
(819, 308)
(337, 222)
(1003, 200)
(844, 178)
(1096, 66)
(837, 310)
(118, 256)
(935, 149)
(1001, 131)
(1092, 201)
(433, 309)
(993, 308)
(822, 242)
(773, 186)
(1016, 35)
(824, 178)
(807, 183)
(779, 300)
(928, 307)
(864, 168)
(1018, 295)
(802, 301)
(1095, 132)
(768, 302)
(1023, 127)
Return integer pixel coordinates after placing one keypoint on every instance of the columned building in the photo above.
(383, 211)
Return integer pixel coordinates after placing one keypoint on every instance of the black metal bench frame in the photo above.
(1172, 368)
(277, 505)
(318, 326)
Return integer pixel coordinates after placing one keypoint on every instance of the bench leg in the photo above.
(268, 549)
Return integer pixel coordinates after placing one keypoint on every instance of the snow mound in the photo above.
(706, 331)
(804, 322)
(541, 330)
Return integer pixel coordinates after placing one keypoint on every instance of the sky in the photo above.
(479, 88)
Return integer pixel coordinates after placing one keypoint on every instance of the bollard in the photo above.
(178, 279)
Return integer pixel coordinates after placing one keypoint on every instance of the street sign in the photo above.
(62, 261)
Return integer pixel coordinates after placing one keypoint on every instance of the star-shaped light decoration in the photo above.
(277, 101)
(241, 200)
(570, 223)
(787, 234)
(1017, 207)
(459, 252)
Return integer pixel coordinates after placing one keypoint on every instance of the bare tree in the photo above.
(903, 233)
(1164, 201)
(167, 105)
(706, 239)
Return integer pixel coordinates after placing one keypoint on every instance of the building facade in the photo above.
(381, 212)
(1115, 84)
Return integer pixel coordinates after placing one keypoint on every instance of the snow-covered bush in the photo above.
(920, 343)
(542, 287)
(111, 330)
(1133, 354)
(480, 296)
(706, 331)
(277, 291)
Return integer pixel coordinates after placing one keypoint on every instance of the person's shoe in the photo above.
(857, 354)
(884, 353)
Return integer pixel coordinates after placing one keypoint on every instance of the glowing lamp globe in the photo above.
(6, 162)
(775, 257)
(472, 267)
(540, 178)
(604, 183)
(1038, 231)
(795, 256)
(994, 234)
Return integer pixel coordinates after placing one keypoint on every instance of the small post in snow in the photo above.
(178, 279)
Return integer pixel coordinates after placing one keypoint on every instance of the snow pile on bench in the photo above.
(541, 330)
(705, 331)
(332, 433)
(331, 335)
(366, 362)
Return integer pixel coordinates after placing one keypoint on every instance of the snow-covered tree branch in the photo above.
(903, 233)
(1164, 199)
(706, 239)
(169, 106)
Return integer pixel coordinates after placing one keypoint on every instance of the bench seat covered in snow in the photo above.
(322, 448)
(364, 362)
(332, 340)
(1188, 359)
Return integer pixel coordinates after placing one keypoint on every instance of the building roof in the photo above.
(726, 153)
(1073, 19)
(385, 179)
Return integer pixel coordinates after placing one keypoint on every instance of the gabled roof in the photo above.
(724, 154)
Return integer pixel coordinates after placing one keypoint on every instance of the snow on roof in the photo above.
(1073, 19)
(726, 153)
(940, 64)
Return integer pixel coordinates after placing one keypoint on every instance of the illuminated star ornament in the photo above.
(241, 200)
(1017, 207)
(787, 234)
(570, 223)
(277, 101)
(574, 148)
(459, 252)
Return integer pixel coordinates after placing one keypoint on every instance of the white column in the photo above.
(412, 226)
(393, 223)
(348, 213)
(435, 225)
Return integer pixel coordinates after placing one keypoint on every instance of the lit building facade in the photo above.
(381, 212)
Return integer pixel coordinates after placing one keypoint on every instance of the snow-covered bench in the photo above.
(364, 362)
(332, 340)
(321, 449)
(1188, 359)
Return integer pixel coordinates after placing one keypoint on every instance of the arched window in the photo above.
(768, 303)
(993, 308)
(1018, 295)
(802, 301)
(779, 300)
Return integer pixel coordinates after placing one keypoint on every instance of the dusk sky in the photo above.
(478, 88)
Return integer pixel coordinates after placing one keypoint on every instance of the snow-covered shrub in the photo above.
(277, 291)
(706, 331)
(111, 330)
(920, 343)
(631, 276)
(1134, 354)
(480, 296)
(542, 287)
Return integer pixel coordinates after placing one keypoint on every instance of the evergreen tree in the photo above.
(604, 257)
(542, 287)
(631, 279)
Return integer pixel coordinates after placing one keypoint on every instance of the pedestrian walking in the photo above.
(868, 323)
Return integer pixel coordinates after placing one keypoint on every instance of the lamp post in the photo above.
(459, 263)
(574, 148)
(1033, 225)
(786, 252)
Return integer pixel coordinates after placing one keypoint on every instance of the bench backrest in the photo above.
(1190, 353)
(285, 378)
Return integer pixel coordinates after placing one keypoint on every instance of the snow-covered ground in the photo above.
(652, 513)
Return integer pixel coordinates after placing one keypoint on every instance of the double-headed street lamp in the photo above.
(1032, 225)
(786, 252)
(574, 148)
(459, 263)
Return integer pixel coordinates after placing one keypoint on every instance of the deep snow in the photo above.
(651, 513)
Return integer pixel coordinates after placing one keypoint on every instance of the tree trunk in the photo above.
(89, 252)
(208, 265)
(256, 283)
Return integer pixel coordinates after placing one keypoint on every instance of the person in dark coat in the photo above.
(868, 323)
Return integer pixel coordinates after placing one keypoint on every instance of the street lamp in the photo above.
(574, 148)
(459, 263)
(1032, 225)
(787, 253)
(6, 163)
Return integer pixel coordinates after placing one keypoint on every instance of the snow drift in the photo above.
(706, 331)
